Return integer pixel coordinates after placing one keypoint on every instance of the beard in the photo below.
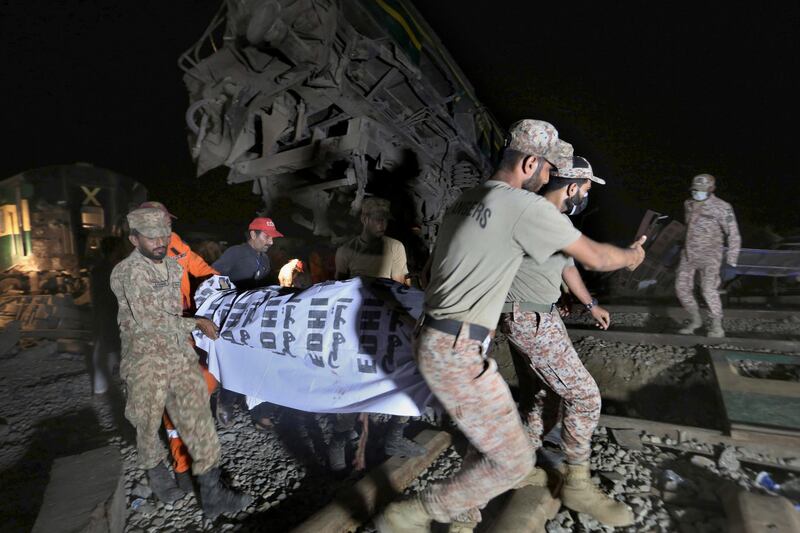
(533, 184)
(156, 254)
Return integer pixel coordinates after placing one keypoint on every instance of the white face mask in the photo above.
(699, 195)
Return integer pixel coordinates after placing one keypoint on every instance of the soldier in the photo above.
(707, 219)
(195, 266)
(375, 255)
(539, 343)
(481, 243)
(160, 368)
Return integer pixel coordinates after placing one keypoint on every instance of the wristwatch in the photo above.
(590, 304)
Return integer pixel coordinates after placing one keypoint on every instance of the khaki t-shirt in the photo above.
(483, 237)
(539, 284)
(385, 258)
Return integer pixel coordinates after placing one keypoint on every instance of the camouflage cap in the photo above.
(157, 205)
(534, 137)
(702, 182)
(372, 205)
(564, 152)
(579, 168)
(150, 222)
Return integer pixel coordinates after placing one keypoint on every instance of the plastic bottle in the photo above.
(766, 481)
(135, 504)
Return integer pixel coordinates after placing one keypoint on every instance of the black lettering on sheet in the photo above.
(268, 340)
(288, 339)
(333, 357)
(368, 344)
(367, 366)
(316, 318)
(314, 342)
(288, 320)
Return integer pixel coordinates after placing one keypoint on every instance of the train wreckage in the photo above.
(322, 102)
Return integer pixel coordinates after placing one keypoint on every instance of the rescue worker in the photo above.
(372, 254)
(160, 367)
(247, 265)
(539, 341)
(194, 265)
(482, 240)
(708, 219)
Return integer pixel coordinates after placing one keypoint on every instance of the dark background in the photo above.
(651, 94)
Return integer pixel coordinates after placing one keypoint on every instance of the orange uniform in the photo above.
(192, 264)
(195, 266)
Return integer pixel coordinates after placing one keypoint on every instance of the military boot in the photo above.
(537, 478)
(398, 444)
(163, 484)
(408, 516)
(695, 322)
(716, 328)
(216, 498)
(580, 494)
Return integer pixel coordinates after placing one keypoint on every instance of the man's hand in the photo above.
(638, 253)
(208, 328)
(602, 316)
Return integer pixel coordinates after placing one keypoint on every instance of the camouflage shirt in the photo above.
(706, 222)
(150, 309)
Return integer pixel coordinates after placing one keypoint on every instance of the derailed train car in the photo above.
(320, 102)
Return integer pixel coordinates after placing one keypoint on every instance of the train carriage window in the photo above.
(92, 217)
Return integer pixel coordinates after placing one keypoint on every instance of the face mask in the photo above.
(575, 204)
(699, 195)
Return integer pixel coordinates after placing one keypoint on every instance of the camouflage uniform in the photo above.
(469, 386)
(158, 364)
(707, 221)
(539, 341)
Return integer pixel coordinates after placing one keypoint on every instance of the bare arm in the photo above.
(605, 257)
(574, 282)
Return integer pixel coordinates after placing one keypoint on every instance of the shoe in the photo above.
(695, 321)
(185, 482)
(216, 498)
(337, 450)
(716, 330)
(580, 494)
(398, 444)
(408, 516)
(163, 484)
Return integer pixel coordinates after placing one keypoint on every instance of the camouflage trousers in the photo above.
(709, 286)
(173, 383)
(477, 398)
(552, 378)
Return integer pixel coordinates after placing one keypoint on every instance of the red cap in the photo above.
(156, 205)
(266, 225)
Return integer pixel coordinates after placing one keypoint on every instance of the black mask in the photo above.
(576, 204)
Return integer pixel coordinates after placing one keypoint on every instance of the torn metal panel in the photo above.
(355, 94)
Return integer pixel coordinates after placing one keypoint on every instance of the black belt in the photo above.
(453, 327)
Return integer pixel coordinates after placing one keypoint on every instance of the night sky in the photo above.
(651, 94)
